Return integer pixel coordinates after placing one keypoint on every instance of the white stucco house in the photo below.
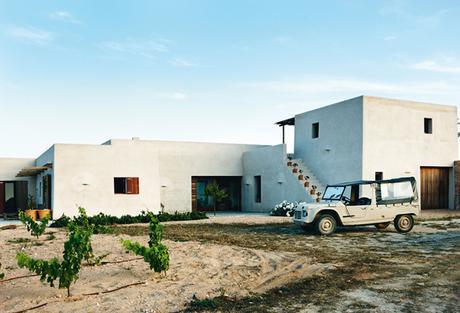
(360, 138)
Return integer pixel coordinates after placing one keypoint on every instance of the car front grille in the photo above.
(298, 215)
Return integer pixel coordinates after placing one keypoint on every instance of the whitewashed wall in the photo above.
(277, 181)
(395, 143)
(336, 156)
(9, 167)
(83, 174)
(45, 158)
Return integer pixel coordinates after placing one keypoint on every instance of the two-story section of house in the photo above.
(373, 138)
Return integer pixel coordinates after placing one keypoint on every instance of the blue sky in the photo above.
(224, 71)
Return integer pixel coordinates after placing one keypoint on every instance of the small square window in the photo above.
(428, 125)
(378, 175)
(126, 185)
(315, 130)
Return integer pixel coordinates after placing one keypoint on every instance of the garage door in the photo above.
(434, 187)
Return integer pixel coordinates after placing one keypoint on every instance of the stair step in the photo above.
(313, 180)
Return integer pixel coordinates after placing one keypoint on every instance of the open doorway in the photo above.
(13, 197)
(202, 202)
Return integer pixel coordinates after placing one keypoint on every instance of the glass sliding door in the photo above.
(203, 202)
(10, 201)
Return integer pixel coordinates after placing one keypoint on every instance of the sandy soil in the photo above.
(360, 269)
(204, 270)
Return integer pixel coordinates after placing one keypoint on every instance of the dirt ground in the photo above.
(252, 266)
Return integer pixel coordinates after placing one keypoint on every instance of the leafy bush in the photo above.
(76, 248)
(35, 229)
(284, 208)
(103, 219)
(156, 254)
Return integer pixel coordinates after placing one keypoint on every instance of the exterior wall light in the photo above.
(281, 178)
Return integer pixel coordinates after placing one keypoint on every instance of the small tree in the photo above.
(76, 248)
(35, 229)
(31, 203)
(218, 195)
(156, 254)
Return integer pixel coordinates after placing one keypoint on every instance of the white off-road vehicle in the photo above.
(362, 203)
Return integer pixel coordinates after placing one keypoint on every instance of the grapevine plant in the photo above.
(35, 229)
(76, 248)
(156, 254)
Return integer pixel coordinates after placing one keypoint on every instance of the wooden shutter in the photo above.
(132, 185)
(194, 197)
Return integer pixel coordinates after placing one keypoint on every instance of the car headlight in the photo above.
(304, 213)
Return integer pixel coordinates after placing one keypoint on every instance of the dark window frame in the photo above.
(258, 188)
(428, 125)
(126, 185)
(315, 130)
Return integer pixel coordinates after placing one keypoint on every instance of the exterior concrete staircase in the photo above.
(306, 178)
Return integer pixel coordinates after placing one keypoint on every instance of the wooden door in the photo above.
(434, 187)
(21, 194)
(2, 197)
(46, 183)
(194, 198)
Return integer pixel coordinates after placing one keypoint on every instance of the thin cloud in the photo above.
(176, 96)
(434, 66)
(180, 62)
(390, 38)
(326, 85)
(282, 40)
(402, 10)
(30, 35)
(64, 16)
(146, 48)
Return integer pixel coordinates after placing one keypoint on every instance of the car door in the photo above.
(356, 212)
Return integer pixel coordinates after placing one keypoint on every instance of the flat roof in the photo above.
(288, 121)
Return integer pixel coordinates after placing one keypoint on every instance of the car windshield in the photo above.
(333, 193)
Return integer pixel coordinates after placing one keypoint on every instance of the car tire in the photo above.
(404, 223)
(382, 226)
(325, 224)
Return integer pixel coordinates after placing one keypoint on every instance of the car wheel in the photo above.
(404, 223)
(325, 224)
(382, 225)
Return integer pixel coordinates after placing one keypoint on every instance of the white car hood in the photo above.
(316, 205)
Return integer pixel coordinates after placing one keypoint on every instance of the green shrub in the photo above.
(156, 254)
(76, 249)
(103, 219)
(35, 229)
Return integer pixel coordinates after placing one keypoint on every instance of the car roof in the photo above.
(368, 182)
